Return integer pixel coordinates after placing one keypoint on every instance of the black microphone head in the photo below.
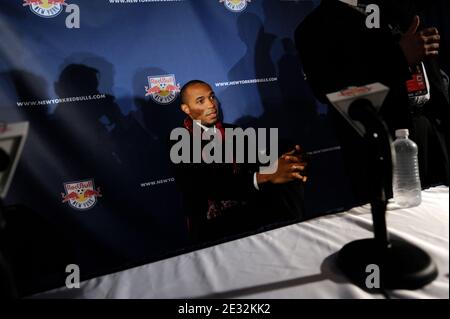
(361, 109)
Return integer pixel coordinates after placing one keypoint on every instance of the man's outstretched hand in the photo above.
(417, 46)
(291, 166)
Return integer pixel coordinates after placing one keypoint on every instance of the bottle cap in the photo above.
(402, 133)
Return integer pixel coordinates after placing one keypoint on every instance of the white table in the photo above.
(291, 262)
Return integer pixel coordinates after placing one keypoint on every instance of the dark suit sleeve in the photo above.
(216, 181)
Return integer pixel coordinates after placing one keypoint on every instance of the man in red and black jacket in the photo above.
(231, 198)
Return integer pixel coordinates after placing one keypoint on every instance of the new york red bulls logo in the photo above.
(235, 5)
(81, 195)
(45, 8)
(162, 89)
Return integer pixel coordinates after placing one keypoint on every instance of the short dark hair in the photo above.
(186, 86)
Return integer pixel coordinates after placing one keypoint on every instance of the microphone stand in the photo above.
(401, 264)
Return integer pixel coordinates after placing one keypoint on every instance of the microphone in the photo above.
(363, 111)
(363, 102)
(12, 141)
(401, 264)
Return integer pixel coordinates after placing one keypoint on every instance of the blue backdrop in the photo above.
(94, 126)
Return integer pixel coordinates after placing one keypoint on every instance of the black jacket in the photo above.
(231, 186)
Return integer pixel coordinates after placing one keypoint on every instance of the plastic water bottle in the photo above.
(406, 182)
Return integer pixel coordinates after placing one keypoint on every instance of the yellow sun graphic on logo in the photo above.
(164, 93)
(45, 5)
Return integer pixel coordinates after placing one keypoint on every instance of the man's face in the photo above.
(200, 104)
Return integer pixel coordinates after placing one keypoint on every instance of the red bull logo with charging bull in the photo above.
(162, 89)
(81, 195)
(45, 8)
(235, 5)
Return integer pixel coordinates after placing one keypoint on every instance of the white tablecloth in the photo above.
(292, 262)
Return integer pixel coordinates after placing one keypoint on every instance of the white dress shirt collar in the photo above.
(205, 127)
